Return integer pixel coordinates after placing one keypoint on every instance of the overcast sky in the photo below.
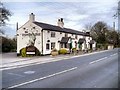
(76, 13)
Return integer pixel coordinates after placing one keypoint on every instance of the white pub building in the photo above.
(45, 37)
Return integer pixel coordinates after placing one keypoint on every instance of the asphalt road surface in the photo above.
(98, 70)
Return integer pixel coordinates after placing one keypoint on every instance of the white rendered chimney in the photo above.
(31, 17)
(60, 22)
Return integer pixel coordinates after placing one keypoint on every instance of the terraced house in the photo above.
(45, 37)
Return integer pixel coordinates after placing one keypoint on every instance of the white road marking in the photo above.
(75, 56)
(113, 54)
(98, 60)
(30, 64)
(29, 72)
(18, 85)
(16, 74)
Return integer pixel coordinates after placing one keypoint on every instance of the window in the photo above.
(33, 27)
(66, 35)
(48, 31)
(75, 36)
(52, 34)
(26, 31)
(47, 46)
(52, 45)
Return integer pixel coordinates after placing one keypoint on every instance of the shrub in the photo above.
(54, 52)
(37, 52)
(99, 46)
(23, 52)
(105, 46)
(8, 44)
(63, 51)
(74, 49)
(102, 46)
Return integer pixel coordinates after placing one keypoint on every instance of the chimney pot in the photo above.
(60, 22)
(61, 19)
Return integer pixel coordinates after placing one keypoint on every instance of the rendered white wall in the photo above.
(22, 41)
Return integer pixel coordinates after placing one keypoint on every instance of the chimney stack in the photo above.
(31, 17)
(60, 22)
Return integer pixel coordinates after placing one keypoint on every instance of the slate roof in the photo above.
(64, 40)
(81, 40)
(91, 41)
(45, 26)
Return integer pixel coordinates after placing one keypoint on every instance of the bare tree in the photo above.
(88, 26)
(4, 15)
(98, 32)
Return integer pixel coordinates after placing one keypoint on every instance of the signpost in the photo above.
(30, 50)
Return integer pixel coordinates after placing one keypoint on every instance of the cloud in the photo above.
(75, 14)
(100, 1)
(76, 17)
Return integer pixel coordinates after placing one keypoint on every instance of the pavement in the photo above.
(93, 70)
(11, 60)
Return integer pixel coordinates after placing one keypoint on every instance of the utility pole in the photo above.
(114, 17)
(119, 16)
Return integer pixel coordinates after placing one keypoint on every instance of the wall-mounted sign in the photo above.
(30, 50)
(30, 34)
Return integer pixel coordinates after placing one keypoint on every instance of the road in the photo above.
(98, 70)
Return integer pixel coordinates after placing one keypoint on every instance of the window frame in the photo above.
(52, 47)
(52, 34)
(47, 47)
(76, 36)
(66, 34)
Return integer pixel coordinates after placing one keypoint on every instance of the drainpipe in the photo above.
(17, 38)
(42, 40)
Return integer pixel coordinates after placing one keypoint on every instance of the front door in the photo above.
(90, 46)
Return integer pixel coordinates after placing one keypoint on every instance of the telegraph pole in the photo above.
(114, 17)
(119, 16)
